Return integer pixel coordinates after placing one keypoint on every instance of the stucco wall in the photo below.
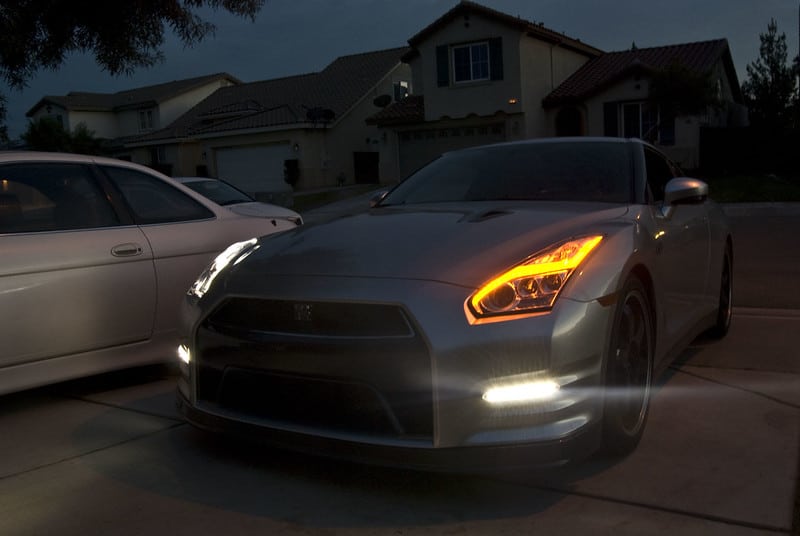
(481, 98)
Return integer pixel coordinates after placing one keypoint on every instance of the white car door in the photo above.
(73, 277)
(184, 234)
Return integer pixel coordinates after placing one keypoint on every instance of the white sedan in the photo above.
(96, 256)
(227, 195)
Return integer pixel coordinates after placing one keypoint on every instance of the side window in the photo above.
(37, 197)
(154, 201)
(659, 174)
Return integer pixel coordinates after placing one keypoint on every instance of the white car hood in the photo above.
(462, 244)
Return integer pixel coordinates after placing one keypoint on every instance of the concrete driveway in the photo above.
(109, 455)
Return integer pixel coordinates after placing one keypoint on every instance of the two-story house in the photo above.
(479, 77)
(482, 76)
(610, 96)
(133, 112)
(307, 131)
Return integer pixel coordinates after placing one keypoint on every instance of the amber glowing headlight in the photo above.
(534, 284)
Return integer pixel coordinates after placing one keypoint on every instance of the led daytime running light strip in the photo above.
(533, 269)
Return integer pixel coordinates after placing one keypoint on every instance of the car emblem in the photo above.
(303, 312)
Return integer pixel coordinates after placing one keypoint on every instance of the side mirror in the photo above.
(377, 198)
(685, 190)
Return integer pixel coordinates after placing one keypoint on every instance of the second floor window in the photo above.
(146, 120)
(471, 62)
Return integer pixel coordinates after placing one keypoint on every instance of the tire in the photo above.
(628, 371)
(725, 307)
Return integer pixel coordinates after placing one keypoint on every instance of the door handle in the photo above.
(126, 250)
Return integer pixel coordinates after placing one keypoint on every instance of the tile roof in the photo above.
(533, 29)
(130, 98)
(409, 110)
(603, 71)
(300, 99)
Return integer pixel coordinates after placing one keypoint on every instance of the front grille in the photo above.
(371, 377)
(240, 315)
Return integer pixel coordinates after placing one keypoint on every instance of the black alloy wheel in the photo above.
(629, 371)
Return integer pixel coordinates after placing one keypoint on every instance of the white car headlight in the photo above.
(234, 254)
(534, 284)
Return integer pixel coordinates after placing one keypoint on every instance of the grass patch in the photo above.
(754, 188)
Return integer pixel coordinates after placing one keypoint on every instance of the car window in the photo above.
(537, 172)
(219, 192)
(659, 174)
(153, 200)
(36, 197)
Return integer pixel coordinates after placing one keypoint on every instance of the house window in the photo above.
(146, 120)
(471, 62)
(401, 90)
(639, 120)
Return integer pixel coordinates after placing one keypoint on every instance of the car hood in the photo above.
(458, 244)
(257, 209)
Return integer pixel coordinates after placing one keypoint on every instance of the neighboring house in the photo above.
(482, 76)
(479, 76)
(609, 96)
(118, 116)
(308, 130)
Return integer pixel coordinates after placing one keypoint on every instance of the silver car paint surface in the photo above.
(429, 259)
(79, 302)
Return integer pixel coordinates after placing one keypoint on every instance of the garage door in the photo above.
(256, 169)
(417, 148)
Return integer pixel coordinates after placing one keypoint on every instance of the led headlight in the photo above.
(534, 284)
(234, 254)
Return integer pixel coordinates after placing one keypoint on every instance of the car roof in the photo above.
(565, 139)
(37, 156)
(195, 179)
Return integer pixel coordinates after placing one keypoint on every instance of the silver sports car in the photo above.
(505, 305)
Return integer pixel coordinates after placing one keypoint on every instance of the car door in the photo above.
(185, 235)
(73, 277)
(683, 250)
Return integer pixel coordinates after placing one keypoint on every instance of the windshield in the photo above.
(568, 171)
(219, 192)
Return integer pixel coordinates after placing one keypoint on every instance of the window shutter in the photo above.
(442, 66)
(610, 126)
(496, 58)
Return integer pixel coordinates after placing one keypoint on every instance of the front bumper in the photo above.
(471, 460)
(386, 395)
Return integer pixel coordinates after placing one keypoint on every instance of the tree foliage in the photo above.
(3, 127)
(678, 90)
(47, 134)
(37, 34)
(769, 90)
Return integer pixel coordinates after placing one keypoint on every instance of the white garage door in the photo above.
(256, 169)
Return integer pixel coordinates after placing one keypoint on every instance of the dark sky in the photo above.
(299, 36)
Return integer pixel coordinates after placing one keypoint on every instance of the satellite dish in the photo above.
(382, 101)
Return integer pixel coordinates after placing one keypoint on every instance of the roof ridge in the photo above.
(672, 45)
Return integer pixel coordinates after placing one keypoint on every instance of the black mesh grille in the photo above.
(310, 318)
(371, 378)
